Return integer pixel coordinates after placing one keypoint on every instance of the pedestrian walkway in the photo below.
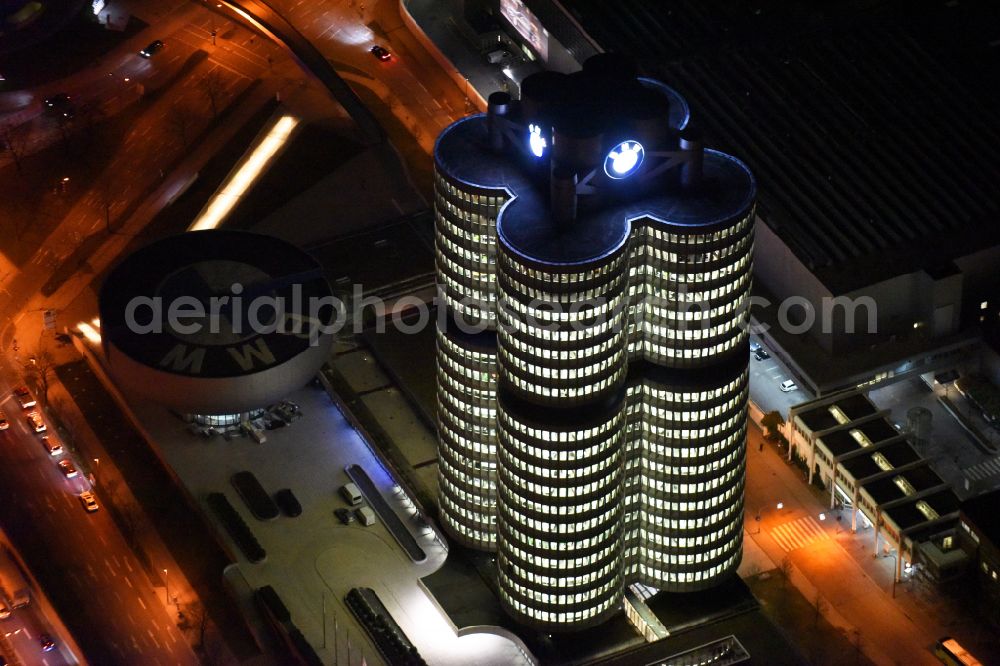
(983, 470)
(798, 533)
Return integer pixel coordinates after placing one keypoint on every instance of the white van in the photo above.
(351, 494)
(365, 516)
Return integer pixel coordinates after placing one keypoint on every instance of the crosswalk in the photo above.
(798, 533)
(984, 469)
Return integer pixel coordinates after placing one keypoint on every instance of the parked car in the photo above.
(365, 516)
(351, 493)
(150, 50)
(381, 53)
(35, 422)
(67, 468)
(289, 504)
(3, 422)
(54, 448)
(24, 397)
(754, 346)
(788, 385)
(89, 501)
(761, 355)
(345, 516)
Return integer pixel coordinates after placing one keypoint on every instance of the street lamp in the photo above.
(781, 505)
(166, 586)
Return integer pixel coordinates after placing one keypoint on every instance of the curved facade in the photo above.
(247, 335)
(595, 262)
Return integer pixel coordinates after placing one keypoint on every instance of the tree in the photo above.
(771, 422)
(856, 640)
(105, 188)
(14, 140)
(131, 522)
(71, 425)
(819, 605)
(214, 88)
(195, 621)
(181, 118)
(785, 570)
(39, 369)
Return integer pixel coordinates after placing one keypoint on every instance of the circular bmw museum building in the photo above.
(216, 323)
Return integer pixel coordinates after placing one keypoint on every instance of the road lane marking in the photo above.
(155, 642)
(142, 603)
(983, 470)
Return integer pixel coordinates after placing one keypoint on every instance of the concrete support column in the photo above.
(854, 510)
(812, 461)
(833, 485)
(877, 522)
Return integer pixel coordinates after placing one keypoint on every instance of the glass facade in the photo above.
(594, 435)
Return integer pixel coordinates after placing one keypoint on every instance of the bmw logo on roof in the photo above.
(536, 142)
(624, 159)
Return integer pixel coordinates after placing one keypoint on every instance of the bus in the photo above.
(950, 652)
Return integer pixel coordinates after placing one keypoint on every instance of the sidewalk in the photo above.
(838, 566)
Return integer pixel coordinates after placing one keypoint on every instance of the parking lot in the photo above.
(766, 377)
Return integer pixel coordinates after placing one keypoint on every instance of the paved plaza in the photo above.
(313, 560)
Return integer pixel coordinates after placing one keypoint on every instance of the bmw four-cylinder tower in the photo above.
(595, 262)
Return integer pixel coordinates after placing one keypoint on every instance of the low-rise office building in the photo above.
(980, 537)
(856, 452)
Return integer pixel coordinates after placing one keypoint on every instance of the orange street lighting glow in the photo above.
(89, 332)
(245, 176)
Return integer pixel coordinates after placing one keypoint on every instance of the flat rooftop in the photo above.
(984, 513)
(526, 225)
(897, 455)
(867, 123)
(908, 515)
(888, 489)
(842, 441)
(853, 406)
